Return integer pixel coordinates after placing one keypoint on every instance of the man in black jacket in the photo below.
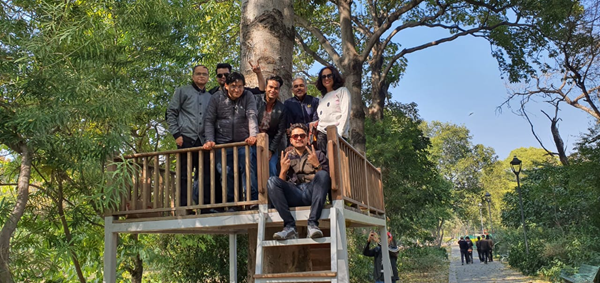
(185, 116)
(272, 120)
(464, 247)
(301, 108)
(231, 117)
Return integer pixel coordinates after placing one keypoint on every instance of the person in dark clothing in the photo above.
(462, 244)
(375, 252)
(301, 108)
(485, 249)
(231, 117)
(490, 253)
(303, 180)
(470, 249)
(185, 116)
(479, 252)
(224, 69)
(272, 120)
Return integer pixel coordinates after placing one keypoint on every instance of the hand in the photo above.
(179, 141)
(285, 161)
(371, 236)
(313, 124)
(312, 157)
(208, 145)
(251, 140)
(256, 69)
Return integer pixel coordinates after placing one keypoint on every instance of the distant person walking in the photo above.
(485, 248)
(469, 250)
(464, 247)
(490, 252)
(479, 252)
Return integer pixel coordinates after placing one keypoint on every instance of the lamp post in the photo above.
(481, 217)
(515, 166)
(488, 198)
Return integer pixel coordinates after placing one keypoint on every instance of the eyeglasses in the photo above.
(298, 136)
(328, 76)
(222, 75)
(201, 74)
(296, 86)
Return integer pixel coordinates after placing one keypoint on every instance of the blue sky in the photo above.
(450, 81)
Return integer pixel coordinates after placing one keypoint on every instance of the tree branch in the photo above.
(306, 48)
(320, 37)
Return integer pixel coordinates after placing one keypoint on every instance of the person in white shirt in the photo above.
(334, 107)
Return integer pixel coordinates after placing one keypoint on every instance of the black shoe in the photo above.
(233, 209)
(209, 211)
(253, 207)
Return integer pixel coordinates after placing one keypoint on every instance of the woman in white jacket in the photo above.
(334, 107)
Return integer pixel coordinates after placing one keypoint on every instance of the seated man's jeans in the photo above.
(242, 172)
(273, 162)
(284, 195)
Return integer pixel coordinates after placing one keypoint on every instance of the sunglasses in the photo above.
(297, 86)
(298, 136)
(328, 76)
(222, 75)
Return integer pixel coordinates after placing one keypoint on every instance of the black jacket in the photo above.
(276, 131)
(463, 245)
(229, 120)
(304, 111)
(378, 261)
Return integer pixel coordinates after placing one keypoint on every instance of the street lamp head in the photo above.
(488, 197)
(515, 165)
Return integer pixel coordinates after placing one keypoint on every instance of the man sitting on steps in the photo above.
(303, 180)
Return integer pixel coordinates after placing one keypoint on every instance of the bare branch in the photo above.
(320, 37)
(307, 49)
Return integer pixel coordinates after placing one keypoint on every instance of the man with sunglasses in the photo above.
(301, 108)
(303, 180)
(224, 69)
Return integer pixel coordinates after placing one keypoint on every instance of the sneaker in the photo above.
(314, 232)
(286, 234)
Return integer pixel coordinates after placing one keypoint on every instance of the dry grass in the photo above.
(435, 275)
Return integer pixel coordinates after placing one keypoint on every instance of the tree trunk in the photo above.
(11, 223)
(267, 37)
(351, 68)
(137, 271)
(378, 94)
(560, 145)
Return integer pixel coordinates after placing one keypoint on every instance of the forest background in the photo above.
(81, 80)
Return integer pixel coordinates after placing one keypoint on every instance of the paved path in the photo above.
(482, 273)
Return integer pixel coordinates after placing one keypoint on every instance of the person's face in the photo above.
(298, 138)
(327, 78)
(221, 73)
(272, 90)
(200, 76)
(299, 88)
(235, 89)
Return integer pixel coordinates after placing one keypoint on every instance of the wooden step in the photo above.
(296, 242)
(307, 276)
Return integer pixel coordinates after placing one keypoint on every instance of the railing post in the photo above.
(262, 167)
(333, 154)
(156, 198)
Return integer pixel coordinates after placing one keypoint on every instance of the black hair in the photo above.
(338, 81)
(223, 65)
(234, 77)
(194, 68)
(298, 126)
(275, 78)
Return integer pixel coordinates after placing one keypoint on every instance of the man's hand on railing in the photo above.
(251, 140)
(208, 145)
(179, 141)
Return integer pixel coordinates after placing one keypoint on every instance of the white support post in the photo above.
(343, 274)
(387, 265)
(233, 258)
(110, 251)
(260, 237)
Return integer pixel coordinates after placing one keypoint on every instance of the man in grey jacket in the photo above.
(185, 116)
(231, 117)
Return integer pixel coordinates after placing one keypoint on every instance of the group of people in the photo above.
(231, 112)
(484, 247)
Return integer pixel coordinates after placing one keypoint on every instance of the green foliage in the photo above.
(422, 259)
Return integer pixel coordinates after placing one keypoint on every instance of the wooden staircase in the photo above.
(330, 247)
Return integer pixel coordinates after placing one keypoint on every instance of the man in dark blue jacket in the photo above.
(231, 117)
(301, 108)
(272, 120)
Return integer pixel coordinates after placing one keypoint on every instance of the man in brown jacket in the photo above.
(303, 180)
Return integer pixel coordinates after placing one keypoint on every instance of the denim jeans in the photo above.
(273, 162)
(242, 172)
(284, 195)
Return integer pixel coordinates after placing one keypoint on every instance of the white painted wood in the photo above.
(110, 251)
(357, 217)
(295, 279)
(387, 271)
(233, 258)
(260, 237)
(296, 242)
(343, 274)
(336, 240)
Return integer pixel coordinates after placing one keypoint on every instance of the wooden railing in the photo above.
(155, 189)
